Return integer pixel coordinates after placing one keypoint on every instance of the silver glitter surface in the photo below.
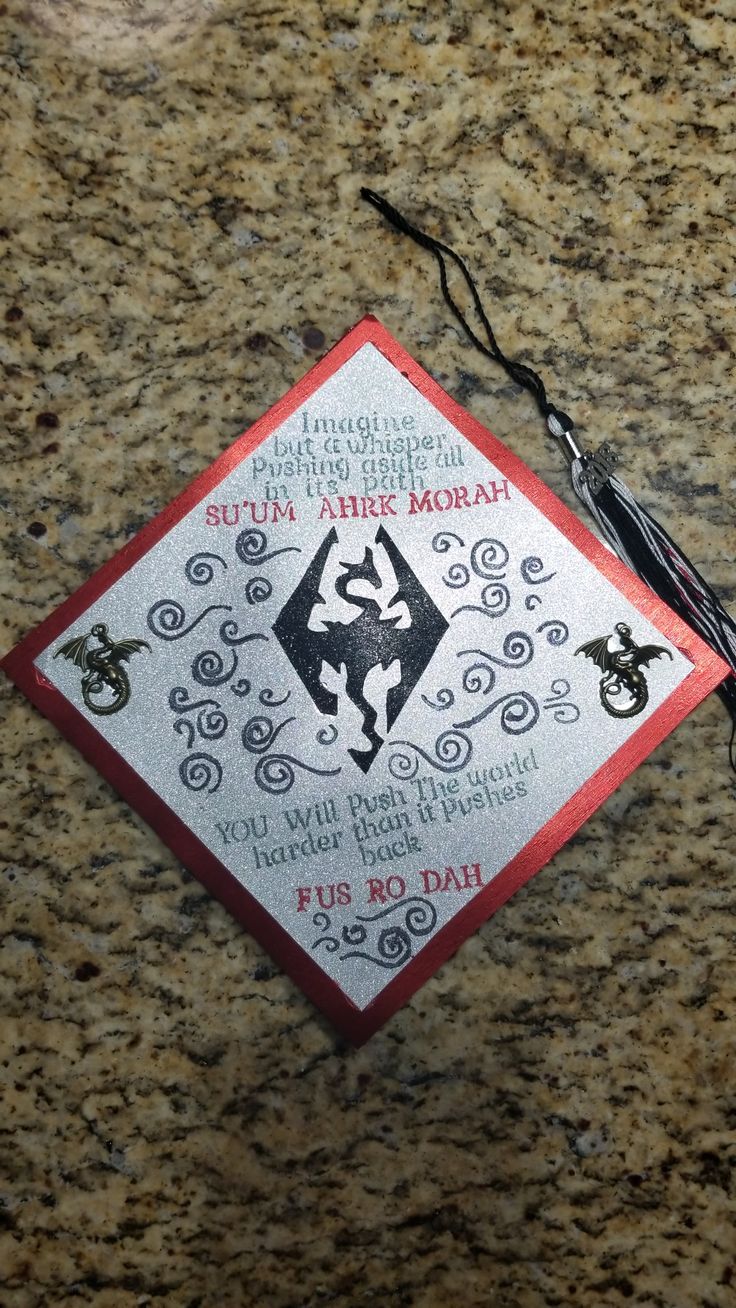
(363, 802)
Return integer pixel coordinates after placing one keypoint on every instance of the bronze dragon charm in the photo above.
(623, 688)
(102, 668)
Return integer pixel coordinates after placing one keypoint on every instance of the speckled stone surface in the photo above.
(552, 1119)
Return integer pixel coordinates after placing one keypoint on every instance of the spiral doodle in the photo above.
(518, 649)
(179, 701)
(556, 630)
(211, 721)
(457, 576)
(531, 570)
(442, 541)
(495, 600)
(199, 570)
(251, 546)
(327, 735)
(200, 772)
(183, 725)
(257, 590)
(323, 924)
(563, 711)
(452, 751)
(488, 557)
(275, 772)
(421, 916)
(208, 668)
(445, 699)
(241, 688)
(330, 943)
(166, 618)
(560, 687)
(229, 634)
(394, 944)
(519, 714)
(212, 725)
(268, 697)
(354, 934)
(259, 733)
(533, 602)
(478, 678)
(393, 949)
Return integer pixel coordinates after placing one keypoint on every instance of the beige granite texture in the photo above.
(552, 1119)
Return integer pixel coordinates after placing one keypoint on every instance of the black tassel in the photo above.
(637, 538)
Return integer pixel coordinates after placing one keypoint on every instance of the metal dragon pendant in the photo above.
(102, 668)
(623, 689)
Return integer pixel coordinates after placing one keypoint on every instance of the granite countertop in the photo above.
(550, 1121)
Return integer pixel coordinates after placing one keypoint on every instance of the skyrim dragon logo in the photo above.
(360, 634)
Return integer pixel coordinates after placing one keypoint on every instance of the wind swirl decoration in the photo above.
(275, 772)
(452, 752)
(393, 943)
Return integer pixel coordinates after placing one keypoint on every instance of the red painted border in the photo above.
(358, 1025)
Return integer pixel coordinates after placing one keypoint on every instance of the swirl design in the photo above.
(241, 688)
(199, 570)
(268, 697)
(563, 711)
(457, 576)
(519, 713)
(354, 934)
(258, 589)
(208, 668)
(478, 678)
(183, 725)
(557, 631)
(488, 557)
(330, 943)
(251, 546)
(327, 735)
(259, 733)
(532, 569)
(533, 602)
(179, 701)
(200, 772)
(452, 751)
(211, 724)
(394, 944)
(443, 541)
(518, 650)
(167, 619)
(445, 699)
(229, 633)
(275, 773)
(495, 600)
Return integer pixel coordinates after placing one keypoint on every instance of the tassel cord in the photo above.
(518, 372)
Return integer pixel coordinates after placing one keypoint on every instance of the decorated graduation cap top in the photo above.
(364, 676)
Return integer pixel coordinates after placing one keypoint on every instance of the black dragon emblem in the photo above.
(360, 634)
(102, 668)
(623, 688)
